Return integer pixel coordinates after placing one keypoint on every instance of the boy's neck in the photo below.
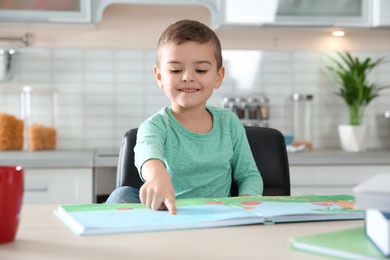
(195, 120)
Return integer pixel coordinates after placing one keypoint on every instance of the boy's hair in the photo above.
(188, 30)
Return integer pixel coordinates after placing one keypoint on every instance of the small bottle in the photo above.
(253, 108)
(264, 110)
(302, 120)
(229, 103)
(240, 107)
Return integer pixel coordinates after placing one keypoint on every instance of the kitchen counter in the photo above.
(311, 172)
(109, 158)
(49, 158)
(325, 172)
(339, 157)
(106, 158)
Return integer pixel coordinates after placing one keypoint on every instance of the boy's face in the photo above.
(188, 74)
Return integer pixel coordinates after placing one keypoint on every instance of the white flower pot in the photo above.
(353, 138)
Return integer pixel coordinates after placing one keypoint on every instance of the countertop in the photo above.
(339, 157)
(109, 158)
(49, 158)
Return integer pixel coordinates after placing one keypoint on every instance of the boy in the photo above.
(189, 149)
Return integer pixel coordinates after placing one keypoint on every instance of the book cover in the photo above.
(374, 193)
(378, 229)
(345, 244)
(91, 219)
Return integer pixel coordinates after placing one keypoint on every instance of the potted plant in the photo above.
(357, 92)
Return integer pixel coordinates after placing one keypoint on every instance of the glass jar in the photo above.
(264, 110)
(240, 104)
(253, 108)
(37, 109)
(302, 120)
(228, 103)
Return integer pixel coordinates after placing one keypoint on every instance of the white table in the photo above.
(41, 235)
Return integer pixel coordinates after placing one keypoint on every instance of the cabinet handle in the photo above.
(43, 189)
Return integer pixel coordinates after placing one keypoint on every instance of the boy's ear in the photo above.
(220, 76)
(157, 75)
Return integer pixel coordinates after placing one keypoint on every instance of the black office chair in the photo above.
(268, 148)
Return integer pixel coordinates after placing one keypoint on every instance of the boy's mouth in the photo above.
(188, 90)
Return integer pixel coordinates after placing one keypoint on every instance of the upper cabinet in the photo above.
(324, 13)
(83, 11)
(329, 13)
(46, 11)
(380, 13)
(214, 6)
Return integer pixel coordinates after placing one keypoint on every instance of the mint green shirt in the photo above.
(200, 165)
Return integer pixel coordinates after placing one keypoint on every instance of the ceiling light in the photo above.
(338, 33)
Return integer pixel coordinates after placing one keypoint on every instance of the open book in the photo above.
(93, 219)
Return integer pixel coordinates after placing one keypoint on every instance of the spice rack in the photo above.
(252, 110)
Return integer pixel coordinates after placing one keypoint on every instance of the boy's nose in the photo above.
(187, 77)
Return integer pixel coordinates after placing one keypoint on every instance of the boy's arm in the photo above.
(157, 192)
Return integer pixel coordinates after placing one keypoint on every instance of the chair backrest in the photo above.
(268, 149)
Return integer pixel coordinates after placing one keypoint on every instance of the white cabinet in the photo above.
(85, 11)
(49, 12)
(326, 180)
(380, 13)
(214, 6)
(297, 13)
(58, 186)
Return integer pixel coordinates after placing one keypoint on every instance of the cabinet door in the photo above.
(328, 180)
(58, 186)
(73, 11)
(298, 13)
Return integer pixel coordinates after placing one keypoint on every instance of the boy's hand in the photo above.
(157, 193)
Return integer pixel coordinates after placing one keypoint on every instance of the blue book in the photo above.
(93, 219)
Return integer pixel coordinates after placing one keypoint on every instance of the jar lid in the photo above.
(263, 99)
(252, 100)
(297, 96)
(240, 99)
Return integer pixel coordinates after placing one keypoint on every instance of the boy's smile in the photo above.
(188, 90)
(188, 74)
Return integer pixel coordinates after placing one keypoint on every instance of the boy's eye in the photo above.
(179, 71)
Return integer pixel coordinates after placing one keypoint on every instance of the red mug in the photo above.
(11, 198)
